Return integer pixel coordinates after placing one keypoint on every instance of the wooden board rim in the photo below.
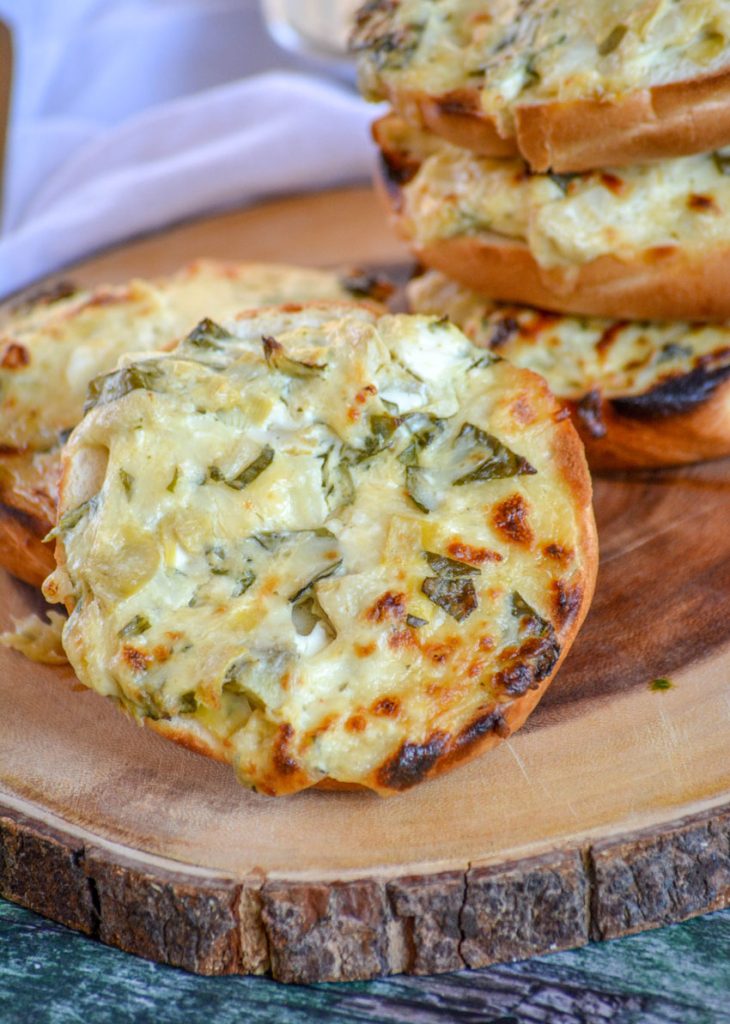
(309, 931)
(343, 926)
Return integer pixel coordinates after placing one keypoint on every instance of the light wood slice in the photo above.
(609, 813)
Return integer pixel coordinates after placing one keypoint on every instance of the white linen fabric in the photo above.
(132, 114)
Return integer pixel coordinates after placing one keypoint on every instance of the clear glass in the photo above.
(317, 29)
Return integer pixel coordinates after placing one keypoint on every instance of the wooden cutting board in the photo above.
(609, 813)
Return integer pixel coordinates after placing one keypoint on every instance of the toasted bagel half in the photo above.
(51, 349)
(645, 242)
(327, 547)
(569, 87)
(641, 394)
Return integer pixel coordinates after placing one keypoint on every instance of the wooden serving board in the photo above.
(609, 813)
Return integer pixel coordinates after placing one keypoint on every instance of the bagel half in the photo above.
(52, 348)
(650, 242)
(641, 394)
(365, 569)
(567, 87)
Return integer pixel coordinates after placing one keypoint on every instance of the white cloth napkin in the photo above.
(90, 170)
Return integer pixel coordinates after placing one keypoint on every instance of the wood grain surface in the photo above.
(608, 814)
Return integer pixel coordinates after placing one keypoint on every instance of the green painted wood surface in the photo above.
(681, 974)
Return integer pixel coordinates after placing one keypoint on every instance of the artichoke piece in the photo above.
(110, 387)
(277, 359)
(208, 334)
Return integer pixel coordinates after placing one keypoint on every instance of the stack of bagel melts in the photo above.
(562, 173)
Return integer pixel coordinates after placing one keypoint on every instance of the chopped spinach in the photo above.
(613, 40)
(500, 461)
(127, 482)
(244, 583)
(72, 518)
(247, 476)
(308, 587)
(452, 588)
(457, 597)
(173, 483)
(135, 627)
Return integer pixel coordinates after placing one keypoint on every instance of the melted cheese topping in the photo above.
(525, 51)
(569, 219)
(577, 355)
(49, 354)
(37, 640)
(327, 550)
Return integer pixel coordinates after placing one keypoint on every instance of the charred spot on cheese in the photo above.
(489, 721)
(46, 296)
(412, 763)
(14, 356)
(284, 763)
(387, 606)
(387, 707)
(558, 553)
(136, 659)
(702, 203)
(567, 599)
(510, 518)
(274, 587)
(476, 556)
(534, 653)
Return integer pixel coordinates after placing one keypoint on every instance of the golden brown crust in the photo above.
(22, 551)
(667, 283)
(457, 117)
(622, 434)
(27, 514)
(669, 120)
(188, 734)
